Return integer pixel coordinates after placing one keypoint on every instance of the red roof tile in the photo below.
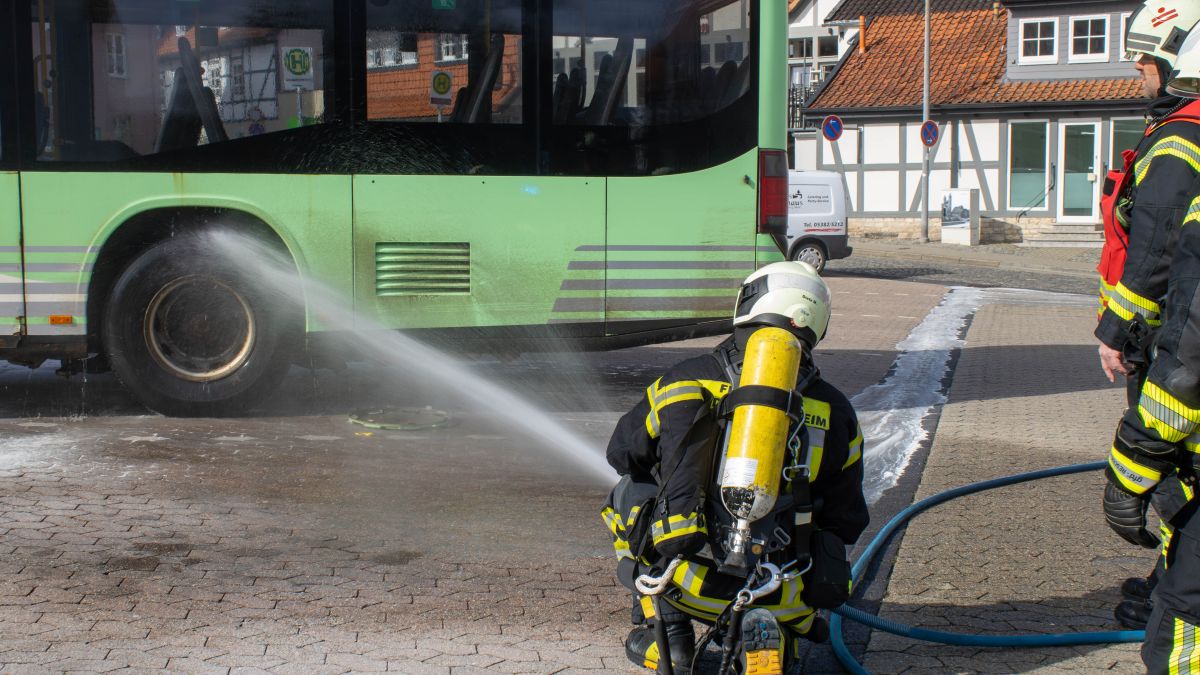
(967, 61)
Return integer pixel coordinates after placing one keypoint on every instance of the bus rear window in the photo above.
(118, 79)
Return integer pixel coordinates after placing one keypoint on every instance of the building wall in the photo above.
(881, 162)
(1063, 67)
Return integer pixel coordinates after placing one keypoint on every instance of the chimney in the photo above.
(862, 34)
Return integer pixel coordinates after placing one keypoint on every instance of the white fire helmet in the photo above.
(1185, 78)
(789, 295)
(1159, 27)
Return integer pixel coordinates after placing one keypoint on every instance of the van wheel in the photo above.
(811, 252)
(191, 336)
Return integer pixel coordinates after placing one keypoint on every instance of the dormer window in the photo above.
(1089, 39)
(1039, 38)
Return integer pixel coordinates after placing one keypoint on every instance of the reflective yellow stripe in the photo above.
(1126, 304)
(683, 390)
(856, 447)
(1166, 414)
(1193, 212)
(1136, 478)
(679, 526)
(1171, 146)
(1105, 291)
(690, 577)
(1185, 658)
(651, 658)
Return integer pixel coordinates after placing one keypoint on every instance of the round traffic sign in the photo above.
(441, 83)
(929, 133)
(831, 128)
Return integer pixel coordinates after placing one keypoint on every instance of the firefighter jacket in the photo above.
(650, 441)
(1167, 162)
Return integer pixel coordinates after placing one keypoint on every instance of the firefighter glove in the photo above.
(1126, 514)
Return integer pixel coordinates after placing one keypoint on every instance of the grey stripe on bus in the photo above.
(46, 249)
(664, 247)
(647, 284)
(39, 288)
(720, 305)
(40, 308)
(661, 265)
(47, 267)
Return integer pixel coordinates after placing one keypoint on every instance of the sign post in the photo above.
(298, 75)
(440, 84)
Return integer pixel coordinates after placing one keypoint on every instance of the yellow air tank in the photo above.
(757, 444)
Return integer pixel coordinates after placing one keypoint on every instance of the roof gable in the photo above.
(968, 53)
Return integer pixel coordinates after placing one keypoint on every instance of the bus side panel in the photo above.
(772, 74)
(12, 305)
(64, 236)
(453, 251)
(679, 246)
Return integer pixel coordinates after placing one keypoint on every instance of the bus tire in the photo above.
(192, 336)
(812, 252)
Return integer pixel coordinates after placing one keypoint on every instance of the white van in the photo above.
(816, 230)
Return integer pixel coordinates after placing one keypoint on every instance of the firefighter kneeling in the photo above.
(747, 466)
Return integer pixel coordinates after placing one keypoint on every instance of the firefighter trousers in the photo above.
(1172, 645)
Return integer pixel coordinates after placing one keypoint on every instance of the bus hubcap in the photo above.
(199, 329)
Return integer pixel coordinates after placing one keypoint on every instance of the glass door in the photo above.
(1078, 180)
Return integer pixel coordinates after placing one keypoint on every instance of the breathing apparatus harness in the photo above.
(1115, 204)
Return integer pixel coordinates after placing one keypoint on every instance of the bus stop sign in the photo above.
(831, 128)
(930, 133)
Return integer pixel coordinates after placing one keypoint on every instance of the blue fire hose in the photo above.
(962, 639)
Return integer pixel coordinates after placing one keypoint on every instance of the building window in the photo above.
(1027, 163)
(827, 45)
(1124, 51)
(1126, 134)
(389, 49)
(727, 51)
(800, 48)
(115, 49)
(1038, 37)
(1089, 38)
(452, 47)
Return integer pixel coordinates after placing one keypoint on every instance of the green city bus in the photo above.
(599, 172)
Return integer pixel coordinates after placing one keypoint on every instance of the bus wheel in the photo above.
(811, 252)
(192, 336)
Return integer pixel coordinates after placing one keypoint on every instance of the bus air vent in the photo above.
(422, 268)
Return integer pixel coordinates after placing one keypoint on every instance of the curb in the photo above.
(926, 252)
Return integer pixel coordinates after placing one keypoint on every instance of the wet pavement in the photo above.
(292, 540)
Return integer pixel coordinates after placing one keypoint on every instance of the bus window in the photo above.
(426, 64)
(120, 79)
(648, 62)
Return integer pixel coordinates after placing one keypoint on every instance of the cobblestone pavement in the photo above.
(1027, 394)
(295, 542)
(1066, 270)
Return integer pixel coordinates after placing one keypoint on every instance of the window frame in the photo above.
(1103, 56)
(1046, 205)
(1043, 58)
(1123, 55)
(111, 38)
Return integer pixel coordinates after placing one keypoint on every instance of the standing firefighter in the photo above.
(746, 466)
(1142, 206)
(1161, 438)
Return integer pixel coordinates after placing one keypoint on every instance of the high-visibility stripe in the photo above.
(1193, 212)
(683, 390)
(1185, 659)
(856, 447)
(1136, 478)
(1172, 146)
(1142, 305)
(1166, 414)
(678, 526)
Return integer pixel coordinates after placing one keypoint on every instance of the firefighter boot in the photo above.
(1133, 614)
(642, 648)
(763, 643)
(1138, 588)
